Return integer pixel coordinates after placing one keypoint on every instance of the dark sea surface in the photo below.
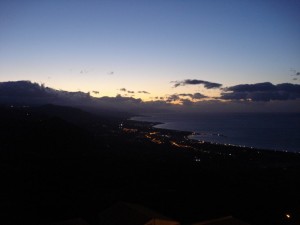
(264, 130)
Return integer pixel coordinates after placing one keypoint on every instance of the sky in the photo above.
(152, 49)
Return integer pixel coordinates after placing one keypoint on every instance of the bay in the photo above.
(272, 131)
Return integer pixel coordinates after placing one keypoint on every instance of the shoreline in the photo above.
(193, 133)
(207, 154)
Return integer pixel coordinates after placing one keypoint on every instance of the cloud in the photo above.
(262, 92)
(186, 95)
(199, 96)
(120, 98)
(172, 98)
(266, 86)
(266, 97)
(83, 71)
(295, 72)
(207, 84)
(185, 101)
(23, 89)
(193, 96)
(26, 92)
(143, 92)
(125, 90)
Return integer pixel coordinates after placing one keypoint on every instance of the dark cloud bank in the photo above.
(261, 97)
(262, 92)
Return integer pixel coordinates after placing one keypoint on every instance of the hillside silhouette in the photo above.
(61, 163)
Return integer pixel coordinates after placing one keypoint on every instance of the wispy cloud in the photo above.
(185, 97)
(84, 71)
(207, 84)
(295, 72)
(126, 90)
(194, 96)
(143, 92)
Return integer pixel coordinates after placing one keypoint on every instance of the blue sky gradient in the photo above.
(144, 45)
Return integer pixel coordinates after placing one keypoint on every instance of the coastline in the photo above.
(185, 136)
(211, 156)
(217, 138)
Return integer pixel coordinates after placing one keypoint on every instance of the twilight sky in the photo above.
(152, 48)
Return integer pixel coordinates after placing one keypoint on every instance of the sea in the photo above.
(270, 131)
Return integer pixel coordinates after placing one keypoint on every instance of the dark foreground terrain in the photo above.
(59, 163)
